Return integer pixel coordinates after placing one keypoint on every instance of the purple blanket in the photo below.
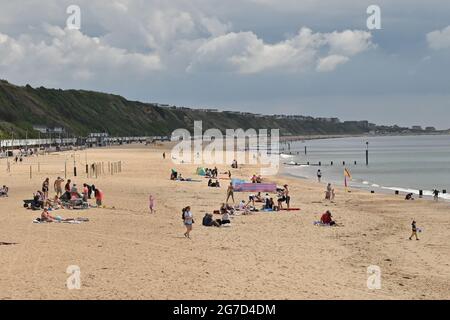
(255, 187)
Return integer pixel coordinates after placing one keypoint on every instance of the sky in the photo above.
(305, 57)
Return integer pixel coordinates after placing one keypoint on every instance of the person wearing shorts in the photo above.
(188, 221)
(58, 186)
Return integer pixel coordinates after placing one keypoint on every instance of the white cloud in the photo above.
(69, 54)
(330, 63)
(439, 39)
(245, 53)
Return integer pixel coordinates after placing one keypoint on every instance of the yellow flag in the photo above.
(347, 173)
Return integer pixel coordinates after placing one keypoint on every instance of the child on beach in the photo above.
(151, 204)
(319, 175)
(414, 230)
(188, 220)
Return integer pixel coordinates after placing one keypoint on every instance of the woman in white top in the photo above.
(225, 219)
(188, 220)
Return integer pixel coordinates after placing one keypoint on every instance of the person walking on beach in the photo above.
(319, 175)
(151, 204)
(188, 220)
(164, 155)
(436, 194)
(230, 192)
(414, 230)
(58, 186)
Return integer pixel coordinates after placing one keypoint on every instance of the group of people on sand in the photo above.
(4, 191)
(213, 184)
(67, 196)
(211, 173)
(256, 179)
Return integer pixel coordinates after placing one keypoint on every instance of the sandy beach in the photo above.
(124, 252)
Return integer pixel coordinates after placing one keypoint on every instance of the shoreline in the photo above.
(389, 191)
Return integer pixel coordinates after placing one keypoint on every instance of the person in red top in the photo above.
(98, 196)
(327, 219)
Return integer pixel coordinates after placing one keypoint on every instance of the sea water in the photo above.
(403, 163)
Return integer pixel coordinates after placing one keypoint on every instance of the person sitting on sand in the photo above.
(208, 221)
(54, 203)
(4, 191)
(409, 196)
(188, 220)
(225, 219)
(173, 174)
(212, 184)
(242, 205)
(226, 208)
(76, 199)
(414, 230)
(327, 219)
(46, 216)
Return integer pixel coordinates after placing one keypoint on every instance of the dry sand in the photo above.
(124, 252)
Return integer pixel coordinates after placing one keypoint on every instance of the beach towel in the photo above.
(236, 181)
(255, 187)
(188, 180)
(72, 221)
